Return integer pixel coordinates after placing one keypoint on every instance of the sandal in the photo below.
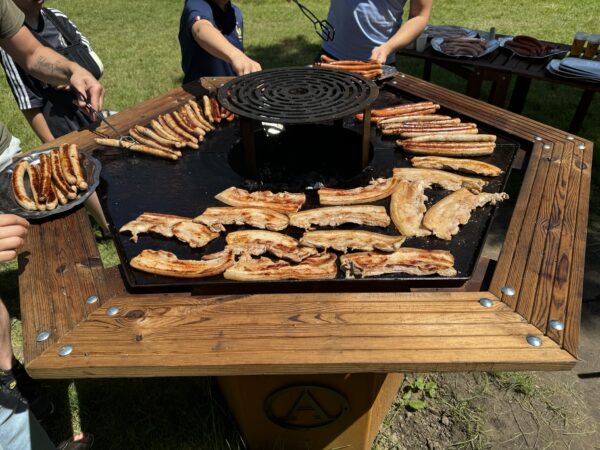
(84, 442)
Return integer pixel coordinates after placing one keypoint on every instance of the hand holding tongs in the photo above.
(322, 27)
(100, 116)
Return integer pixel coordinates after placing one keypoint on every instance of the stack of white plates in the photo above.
(576, 69)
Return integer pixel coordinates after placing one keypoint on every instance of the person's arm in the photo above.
(408, 32)
(13, 230)
(52, 68)
(38, 123)
(211, 40)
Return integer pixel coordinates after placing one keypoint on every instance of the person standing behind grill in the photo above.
(373, 29)
(210, 36)
(49, 110)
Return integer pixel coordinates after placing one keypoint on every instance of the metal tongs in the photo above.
(100, 116)
(322, 27)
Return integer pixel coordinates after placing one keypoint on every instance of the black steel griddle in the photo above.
(310, 156)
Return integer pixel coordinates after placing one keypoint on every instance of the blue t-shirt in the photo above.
(195, 61)
(361, 26)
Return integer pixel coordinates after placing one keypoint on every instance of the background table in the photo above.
(499, 67)
(326, 366)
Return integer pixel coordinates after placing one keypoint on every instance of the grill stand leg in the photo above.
(299, 412)
(248, 139)
(366, 141)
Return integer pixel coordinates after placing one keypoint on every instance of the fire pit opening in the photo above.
(302, 155)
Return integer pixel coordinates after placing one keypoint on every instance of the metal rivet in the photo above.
(538, 138)
(91, 299)
(557, 325)
(402, 75)
(534, 341)
(43, 336)
(112, 311)
(581, 146)
(547, 146)
(65, 350)
(507, 290)
(570, 138)
(486, 302)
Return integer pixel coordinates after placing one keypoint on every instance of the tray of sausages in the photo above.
(48, 182)
(464, 47)
(530, 47)
(372, 70)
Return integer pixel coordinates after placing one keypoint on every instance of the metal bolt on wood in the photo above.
(534, 341)
(581, 146)
(112, 311)
(486, 302)
(570, 138)
(538, 138)
(547, 146)
(65, 350)
(557, 325)
(42, 336)
(91, 299)
(507, 290)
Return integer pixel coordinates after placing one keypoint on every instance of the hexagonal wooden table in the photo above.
(320, 370)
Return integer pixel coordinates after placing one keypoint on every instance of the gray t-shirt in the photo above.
(11, 19)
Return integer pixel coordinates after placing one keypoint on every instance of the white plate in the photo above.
(552, 53)
(554, 68)
(436, 43)
(9, 205)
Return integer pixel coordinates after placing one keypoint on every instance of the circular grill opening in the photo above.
(297, 95)
(302, 156)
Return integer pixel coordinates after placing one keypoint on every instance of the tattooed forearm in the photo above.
(52, 69)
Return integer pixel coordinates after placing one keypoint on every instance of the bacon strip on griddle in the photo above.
(444, 218)
(284, 202)
(259, 242)
(378, 189)
(316, 267)
(262, 218)
(334, 216)
(441, 178)
(405, 260)
(344, 240)
(407, 208)
(471, 166)
(195, 235)
(160, 262)
(152, 222)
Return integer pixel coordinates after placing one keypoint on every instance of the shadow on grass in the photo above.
(155, 414)
(292, 51)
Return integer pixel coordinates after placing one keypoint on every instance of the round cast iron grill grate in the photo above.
(298, 95)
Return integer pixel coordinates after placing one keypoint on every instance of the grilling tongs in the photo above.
(100, 116)
(322, 27)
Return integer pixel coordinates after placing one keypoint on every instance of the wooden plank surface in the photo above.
(60, 269)
(268, 334)
(179, 334)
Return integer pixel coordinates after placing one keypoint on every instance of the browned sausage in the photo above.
(35, 183)
(153, 151)
(65, 165)
(157, 138)
(18, 186)
(77, 169)
(58, 179)
(151, 143)
(45, 178)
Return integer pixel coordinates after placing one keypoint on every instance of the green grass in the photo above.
(137, 40)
